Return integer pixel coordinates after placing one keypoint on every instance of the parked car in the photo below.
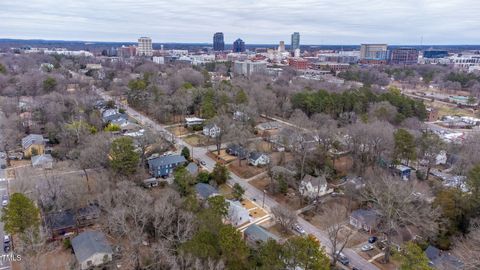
(356, 268)
(342, 258)
(203, 163)
(372, 239)
(299, 229)
(6, 243)
(367, 247)
(4, 202)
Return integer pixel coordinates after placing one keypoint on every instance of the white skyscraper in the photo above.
(145, 47)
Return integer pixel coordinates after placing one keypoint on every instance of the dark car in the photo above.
(343, 260)
(372, 239)
(356, 268)
(6, 243)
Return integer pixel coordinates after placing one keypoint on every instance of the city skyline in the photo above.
(319, 22)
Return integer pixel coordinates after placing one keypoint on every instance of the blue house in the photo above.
(163, 166)
(403, 171)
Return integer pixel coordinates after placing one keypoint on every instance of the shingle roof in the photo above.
(166, 160)
(41, 159)
(60, 220)
(443, 259)
(86, 244)
(205, 190)
(315, 181)
(192, 168)
(257, 233)
(32, 139)
(368, 217)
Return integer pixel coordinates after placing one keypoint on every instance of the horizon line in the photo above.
(207, 43)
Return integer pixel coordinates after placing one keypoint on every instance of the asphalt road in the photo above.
(4, 265)
(250, 191)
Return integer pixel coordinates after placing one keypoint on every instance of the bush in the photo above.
(420, 175)
(67, 244)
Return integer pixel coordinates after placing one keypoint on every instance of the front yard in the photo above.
(196, 140)
(244, 170)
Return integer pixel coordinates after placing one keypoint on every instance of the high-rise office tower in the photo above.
(218, 42)
(295, 41)
(238, 46)
(144, 47)
(281, 46)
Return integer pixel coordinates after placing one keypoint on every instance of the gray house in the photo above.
(91, 249)
(364, 219)
(205, 191)
(443, 260)
(255, 235)
(163, 166)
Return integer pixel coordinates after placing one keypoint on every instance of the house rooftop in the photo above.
(41, 160)
(60, 220)
(205, 190)
(442, 259)
(257, 233)
(87, 244)
(192, 168)
(315, 181)
(368, 217)
(32, 139)
(166, 160)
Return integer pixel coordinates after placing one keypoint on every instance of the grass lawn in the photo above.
(226, 158)
(196, 140)
(179, 130)
(244, 170)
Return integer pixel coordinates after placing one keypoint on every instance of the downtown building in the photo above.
(145, 47)
(218, 42)
(295, 42)
(374, 54)
(404, 56)
(247, 68)
(238, 46)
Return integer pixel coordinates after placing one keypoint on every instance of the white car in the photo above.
(367, 247)
(299, 229)
(4, 202)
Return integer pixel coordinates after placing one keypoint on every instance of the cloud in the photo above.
(255, 21)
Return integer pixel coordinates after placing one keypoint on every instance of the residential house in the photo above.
(193, 121)
(313, 187)
(364, 220)
(443, 260)
(61, 224)
(237, 214)
(44, 161)
(33, 145)
(255, 235)
(87, 216)
(240, 116)
(205, 191)
(114, 116)
(403, 171)
(258, 159)
(163, 166)
(192, 168)
(237, 150)
(91, 249)
(211, 130)
(268, 126)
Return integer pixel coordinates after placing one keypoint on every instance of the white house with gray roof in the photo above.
(91, 249)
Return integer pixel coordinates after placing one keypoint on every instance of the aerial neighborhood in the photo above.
(142, 156)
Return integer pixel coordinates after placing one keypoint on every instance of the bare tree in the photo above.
(397, 206)
(335, 227)
(467, 248)
(284, 216)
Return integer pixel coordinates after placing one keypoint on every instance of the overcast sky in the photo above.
(255, 21)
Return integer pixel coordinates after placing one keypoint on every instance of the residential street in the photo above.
(250, 191)
(4, 265)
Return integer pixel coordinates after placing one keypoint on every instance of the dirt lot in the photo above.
(225, 191)
(319, 217)
(254, 210)
(290, 201)
(179, 130)
(196, 140)
(57, 259)
(245, 170)
(343, 164)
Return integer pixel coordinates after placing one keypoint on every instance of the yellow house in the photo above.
(33, 145)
